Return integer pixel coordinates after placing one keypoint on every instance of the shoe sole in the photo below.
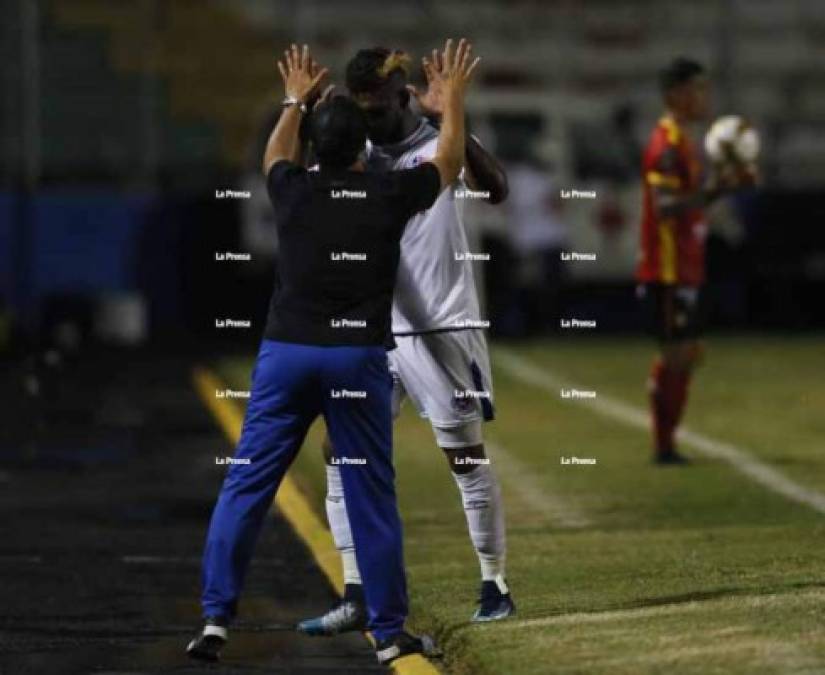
(495, 617)
(202, 656)
(320, 632)
(428, 650)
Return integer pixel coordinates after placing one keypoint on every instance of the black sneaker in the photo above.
(403, 644)
(494, 602)
(670, 458)
(207, 644)
(346, 615)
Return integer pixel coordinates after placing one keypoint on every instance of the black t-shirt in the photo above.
(339, 235)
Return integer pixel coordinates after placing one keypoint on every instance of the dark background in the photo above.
(120, 120)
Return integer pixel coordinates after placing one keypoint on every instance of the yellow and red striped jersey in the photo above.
(672, 249)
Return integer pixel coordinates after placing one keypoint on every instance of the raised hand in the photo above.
(437, 70)
(454, 69)
(431, 101)
(301, 74)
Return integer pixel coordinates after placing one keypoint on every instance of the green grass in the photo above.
(622, 567)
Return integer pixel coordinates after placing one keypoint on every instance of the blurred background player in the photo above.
(441, 360)
(671, 268)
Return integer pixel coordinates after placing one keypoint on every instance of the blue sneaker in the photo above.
(346, 615)
(495, 601)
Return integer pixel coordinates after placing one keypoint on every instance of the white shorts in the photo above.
(446, 375)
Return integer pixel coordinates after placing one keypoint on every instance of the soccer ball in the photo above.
(731, 139)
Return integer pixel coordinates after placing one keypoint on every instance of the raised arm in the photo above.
(455, 70)
(483, 171)
(302, 77)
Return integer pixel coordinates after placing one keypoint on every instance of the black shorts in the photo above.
(672, 313)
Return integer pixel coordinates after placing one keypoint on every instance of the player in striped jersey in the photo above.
(671, 269)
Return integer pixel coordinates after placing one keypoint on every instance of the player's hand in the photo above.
(301, 74)
(448, 73)
(431, 101)
(732, 176)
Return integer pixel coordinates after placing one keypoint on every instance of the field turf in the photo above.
(623, 567)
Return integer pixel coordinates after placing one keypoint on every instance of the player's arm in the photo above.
(301, 76)
(455, 71)
(484, 172)
(671, 199)
(447, 78)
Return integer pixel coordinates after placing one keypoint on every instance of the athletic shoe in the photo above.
(346, 615)
(403, 644)
(670, 458)
(208, 643)
(494, 601)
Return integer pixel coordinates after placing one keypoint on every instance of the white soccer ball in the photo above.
(732, 139)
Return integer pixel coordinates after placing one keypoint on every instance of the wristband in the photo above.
(291, 100)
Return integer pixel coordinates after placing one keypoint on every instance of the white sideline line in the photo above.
(612, 408)
(756, 600)
(513, 470)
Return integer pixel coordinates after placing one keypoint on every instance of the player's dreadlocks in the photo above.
(370, 69)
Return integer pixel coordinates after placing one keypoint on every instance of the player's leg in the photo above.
(349, 612)
(676, 323)
(678, 361)
(338, 519)
(360, 429)
(483, 508)
(281, 408)
(447, 376)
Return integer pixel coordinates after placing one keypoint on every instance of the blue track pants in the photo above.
(291, 385)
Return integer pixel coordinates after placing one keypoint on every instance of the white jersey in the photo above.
(435, 288)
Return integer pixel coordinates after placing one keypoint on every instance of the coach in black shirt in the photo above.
(323, 351)
(340, 231)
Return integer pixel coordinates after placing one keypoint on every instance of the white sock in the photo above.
(481, 496)
(339, 525)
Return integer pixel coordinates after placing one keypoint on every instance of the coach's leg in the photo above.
(348, 613)
(281, 408)
(339, 520)
(361, 432)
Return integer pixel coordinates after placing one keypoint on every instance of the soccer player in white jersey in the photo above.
(441, 361)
